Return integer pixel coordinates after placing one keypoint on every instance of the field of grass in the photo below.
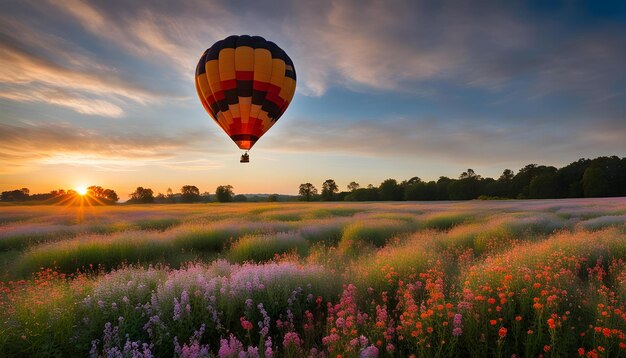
(440, 279)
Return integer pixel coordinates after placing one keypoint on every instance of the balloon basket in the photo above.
(245, 158)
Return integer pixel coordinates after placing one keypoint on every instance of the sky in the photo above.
(102, 92)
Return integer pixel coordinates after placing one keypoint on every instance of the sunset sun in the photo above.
(82, 190)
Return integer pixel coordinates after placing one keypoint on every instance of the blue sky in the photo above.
(102, 92)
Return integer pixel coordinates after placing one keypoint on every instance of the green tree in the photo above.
(307, 191)
(544, 186)
(390, 190)
(240, 198)
(353, 186)
(594, 182)
(224, 193)
(189, 194)
(272, 198)
(329, 189)
(142, 195)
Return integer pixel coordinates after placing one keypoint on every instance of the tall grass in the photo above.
(94, 250)
(265, 247)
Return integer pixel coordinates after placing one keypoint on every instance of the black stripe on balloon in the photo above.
(244, 88)
(215, 108)
(201, 68)
(245, 40)
(249, 137)
(223, 105)
(271, 108)
(231, 96)
(258, 97)
(290, 74)
(290, 63)
(214, 51)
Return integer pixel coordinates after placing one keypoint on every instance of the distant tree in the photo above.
(272, 198)
(307, 191)
(412, 181)
(103, 194)
(442, 188)
(224, 193)
(390, 190)
(15, 195)
(189, 194)
(594, 182)
(170, 196)
(329, 189)
(353, 186)
(370, 186)
(544, 186)
(142, 195)
(469, 174)
(363, 194)
(111, 195)
(421, 191)
(160, 198)
(507, 175)
(59, 192)
(240, 198)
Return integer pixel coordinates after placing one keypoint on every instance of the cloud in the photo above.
(407, 46)
(28, 145)
(63, 98)
(43, 68)
(471, 141)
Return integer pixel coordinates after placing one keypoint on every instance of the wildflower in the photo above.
(551, 323)
(581, 351)
(369, 352)
(291, 338)
(502, 332)
(247, 325)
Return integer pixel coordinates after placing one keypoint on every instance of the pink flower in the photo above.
(291, 338)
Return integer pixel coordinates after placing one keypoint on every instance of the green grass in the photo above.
(265, 247)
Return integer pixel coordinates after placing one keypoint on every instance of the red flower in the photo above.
(502, 332)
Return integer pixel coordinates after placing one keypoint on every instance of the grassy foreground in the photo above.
(446, 279)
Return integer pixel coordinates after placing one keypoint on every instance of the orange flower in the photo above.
(551, 323)
(502, 332)
(493, 322)
(547, 348)
(491, 301)
(518, 318)
(606, 332)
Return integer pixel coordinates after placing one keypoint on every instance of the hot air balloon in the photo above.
(245, 83)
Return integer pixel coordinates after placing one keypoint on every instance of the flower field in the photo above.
(400, 279)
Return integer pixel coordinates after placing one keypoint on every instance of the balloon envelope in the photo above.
(245, 83)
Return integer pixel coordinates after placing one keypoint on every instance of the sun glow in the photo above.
(81, 190)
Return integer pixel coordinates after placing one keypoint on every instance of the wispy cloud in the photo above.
(32, 144)
(471, 141)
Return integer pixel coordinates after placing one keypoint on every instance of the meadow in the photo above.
(504, 278)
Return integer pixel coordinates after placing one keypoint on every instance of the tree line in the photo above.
(100, 195)
(584, 178)
(599, 177)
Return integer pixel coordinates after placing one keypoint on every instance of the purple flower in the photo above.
(369, 352)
